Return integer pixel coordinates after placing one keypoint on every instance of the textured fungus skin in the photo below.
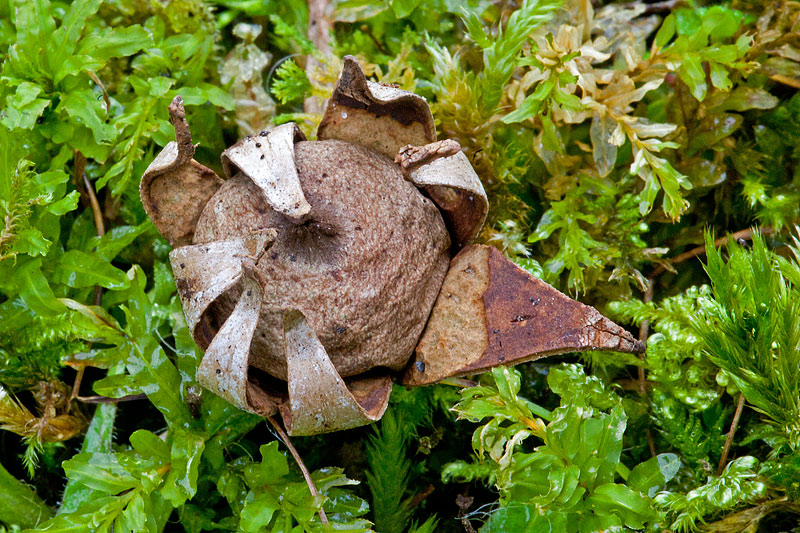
(318, 261)
(364, 270)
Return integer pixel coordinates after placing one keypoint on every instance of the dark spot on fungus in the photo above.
(420, 366)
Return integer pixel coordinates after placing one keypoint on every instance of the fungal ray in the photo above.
(319, 399)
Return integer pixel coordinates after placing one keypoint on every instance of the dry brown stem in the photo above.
(100, 227)
(420, 496)
(644, 329)
(99, 83)
(306, 474)
(729, 440)
(746, 234)
(106, 399)
(666, 6)
(76, 385)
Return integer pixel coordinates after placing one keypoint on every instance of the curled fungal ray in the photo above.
(445, 173)
(268, 160)
(381, 117)
(224, 367)
(319, 399)
(203, 272)
(175, 187)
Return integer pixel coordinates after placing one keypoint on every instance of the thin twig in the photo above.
(658, 7)
(375, 41)
(644, 332)
(99, 225)
(306, 474)
(729, 440)
(76, 385)
(746, 234)
(633, 384)
(79, 167)
(420, 496)
(82, 181)
(102, 88)
(100, 228)
(663, 7)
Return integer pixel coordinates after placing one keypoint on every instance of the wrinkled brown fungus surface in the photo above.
(364, 269)
(310, 274)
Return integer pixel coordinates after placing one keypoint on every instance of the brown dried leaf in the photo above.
(445, 173)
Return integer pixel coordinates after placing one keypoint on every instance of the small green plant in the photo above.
(569, 482)
(751, 330)
(612, 139)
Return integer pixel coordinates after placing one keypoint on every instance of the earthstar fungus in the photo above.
(315, 271)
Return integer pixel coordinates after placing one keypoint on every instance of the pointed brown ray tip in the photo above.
(491, 312)
(175, 187)
(379, 116)
(411, 157)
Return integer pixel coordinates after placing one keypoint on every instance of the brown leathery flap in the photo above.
(446, 175)
(320, 401)
(378, 116)
(175, 187)
(456, 331)
(268, 160)
(524, 319)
